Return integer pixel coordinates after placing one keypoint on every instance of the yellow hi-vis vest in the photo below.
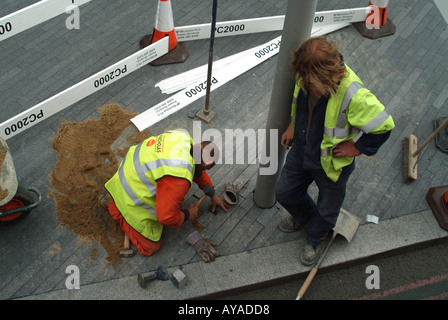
(353, 109)
(134, 185)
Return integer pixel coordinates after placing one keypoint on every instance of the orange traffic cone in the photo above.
(437, 198)
(164, 27)
(376, 24)
(378, 15)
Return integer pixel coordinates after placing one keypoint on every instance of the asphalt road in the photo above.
(415, 274)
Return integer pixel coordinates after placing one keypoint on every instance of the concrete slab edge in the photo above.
(265, 265)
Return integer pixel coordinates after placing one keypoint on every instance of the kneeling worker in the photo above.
(151, 183)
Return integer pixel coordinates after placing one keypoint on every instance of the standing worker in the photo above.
(330, 107)
(147, 191)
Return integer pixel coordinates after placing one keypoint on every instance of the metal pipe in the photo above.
(296, 28)
(210, 57)
(206, 114)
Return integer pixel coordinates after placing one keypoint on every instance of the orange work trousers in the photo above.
(143, 245)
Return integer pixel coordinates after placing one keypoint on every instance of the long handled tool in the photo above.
(411, 150)
(346, 225)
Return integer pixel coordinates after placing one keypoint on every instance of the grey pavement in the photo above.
(407, 71)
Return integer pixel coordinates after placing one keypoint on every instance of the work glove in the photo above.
(231, 193)
(202, 246)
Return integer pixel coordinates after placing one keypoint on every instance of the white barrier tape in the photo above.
(328, 29)
(33, 15)
(266, 24)
(185, 79)
(198, 90)
(246, 61)
(442, 5)
(82, 89)
(230, 28)
(103, 78)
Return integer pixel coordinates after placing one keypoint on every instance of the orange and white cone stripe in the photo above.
(164, 25)
(378, 16)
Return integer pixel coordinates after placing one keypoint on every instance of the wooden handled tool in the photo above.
(411, 151)
(127, 243)
(127, 251)
(200, 200)
(346, 225)
(196, 224)
(431, 137)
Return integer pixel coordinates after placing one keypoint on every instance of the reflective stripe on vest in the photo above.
(133, 187)
(141, 170)
(340, 131)
(130, 192)
(375, 122)
(341, 124)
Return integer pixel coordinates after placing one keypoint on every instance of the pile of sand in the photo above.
(85, 162)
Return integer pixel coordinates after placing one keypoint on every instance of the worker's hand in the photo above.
(193, 211)
(287, 137)
(346, 149)
(202, 246)
(218, 201)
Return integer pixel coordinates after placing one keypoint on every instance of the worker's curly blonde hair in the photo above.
(317, 61)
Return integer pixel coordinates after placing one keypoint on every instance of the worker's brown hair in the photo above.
(205, 152)
(210, 152)
(317, 61)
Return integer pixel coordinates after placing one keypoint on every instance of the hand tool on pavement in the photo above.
(127, 251)
(179, 279)
(410, 152)
(161, 273)
(346, 225)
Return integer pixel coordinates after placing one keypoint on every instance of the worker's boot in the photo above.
(288, 225)
(309, 254)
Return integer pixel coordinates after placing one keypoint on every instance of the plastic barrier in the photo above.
(33, 15)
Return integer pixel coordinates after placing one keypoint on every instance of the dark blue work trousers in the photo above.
(292, 194)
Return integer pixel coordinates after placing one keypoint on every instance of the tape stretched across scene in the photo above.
(324, 23)
(197, 90)
(267, 24)
(33, 15)
(82, 89)
(232, 68)
(193, 76)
